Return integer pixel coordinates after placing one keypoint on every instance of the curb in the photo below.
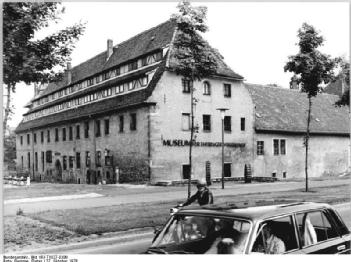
(126, 237)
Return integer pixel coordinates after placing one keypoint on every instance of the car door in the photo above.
(344, 232)
(318, 233)
(282, 232)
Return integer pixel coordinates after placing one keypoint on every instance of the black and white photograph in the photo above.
(177, 127)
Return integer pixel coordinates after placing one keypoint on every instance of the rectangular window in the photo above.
(70, 133)
(48, 136)
(22, 162)
(64, 134)
(21, 138)
(117, 71)
(107, 126)
(28, 139)
(207, 88)
(78, 160)
(227, 169)
(78, 132)
(97, 79)
(64, 162)
(121, 123)
(187, 85)
(260, 148)
(185, 121)
(186, 171)
(133, 66)
(35, 138)
(133, 122)
(87, 159)
(49, 156)
(56, 134)
(227, 90)
(315, 227)
(70, 160)
(105, 76)
(227, 123)
(242, 124)
(90, 81)
(36, 160)
(98, 158)
(282, 147)
(42, 136)
(275, 147)
(206, 120)
(42, 161)
(28, 155)
(86, 129)
(97, 128)
(144, 61)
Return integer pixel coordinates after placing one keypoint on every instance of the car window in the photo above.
(203, 234)
(276, 236)
(314, 227)
(339, 223)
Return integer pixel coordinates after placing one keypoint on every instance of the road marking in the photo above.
(52, 198)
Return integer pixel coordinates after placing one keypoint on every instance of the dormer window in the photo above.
(207, 88)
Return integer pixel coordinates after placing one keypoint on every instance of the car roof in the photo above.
(253, 212)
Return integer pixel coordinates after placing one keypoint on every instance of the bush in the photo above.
(19, 212)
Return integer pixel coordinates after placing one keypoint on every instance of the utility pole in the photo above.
(222, 111)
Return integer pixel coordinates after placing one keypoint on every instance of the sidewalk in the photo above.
(173, 193)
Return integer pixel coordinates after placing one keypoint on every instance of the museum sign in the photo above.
(181, 142)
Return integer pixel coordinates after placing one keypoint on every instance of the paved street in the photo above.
(174, 193)
(138, 243)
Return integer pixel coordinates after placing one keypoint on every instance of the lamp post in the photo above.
(222, 111)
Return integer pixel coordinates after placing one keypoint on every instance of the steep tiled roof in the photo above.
(117, 103)
(143, 43)
(338, 87)
(285, 110)
(222, 70)
(146, 42)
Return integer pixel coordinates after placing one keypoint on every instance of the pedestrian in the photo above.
(203, 195)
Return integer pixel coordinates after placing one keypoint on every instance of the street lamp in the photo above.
(222, 111)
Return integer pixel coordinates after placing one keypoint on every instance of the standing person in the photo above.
(203, 195)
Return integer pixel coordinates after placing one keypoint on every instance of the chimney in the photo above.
(69, 73)
(36, 89)
(109, 48)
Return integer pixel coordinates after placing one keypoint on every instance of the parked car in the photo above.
(302, 228)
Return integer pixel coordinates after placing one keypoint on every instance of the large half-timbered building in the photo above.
(124, 116)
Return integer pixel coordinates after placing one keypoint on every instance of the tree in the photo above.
(311, 68)
(31, 60)
(194, 58)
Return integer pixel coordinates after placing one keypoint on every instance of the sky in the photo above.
(254, 38)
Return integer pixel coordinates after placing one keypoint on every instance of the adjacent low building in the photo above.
(124, 116)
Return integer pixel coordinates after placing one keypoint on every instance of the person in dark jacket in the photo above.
(203, 195)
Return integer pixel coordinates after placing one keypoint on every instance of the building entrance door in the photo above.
(58, 170)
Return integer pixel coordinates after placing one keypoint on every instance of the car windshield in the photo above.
(202, 234)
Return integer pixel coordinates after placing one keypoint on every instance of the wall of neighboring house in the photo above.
(328, 155)
(169, 156)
